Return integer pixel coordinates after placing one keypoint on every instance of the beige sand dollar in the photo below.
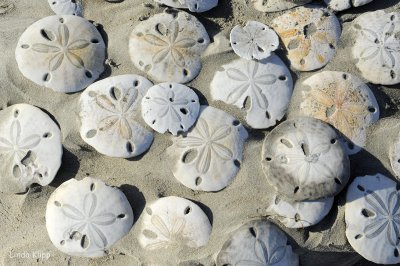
(339, 5)
(277, 5)
(66, 7)
(192, 5)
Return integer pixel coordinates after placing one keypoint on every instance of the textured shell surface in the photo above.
(340, 5)
(394, 156)
(310, 36)
(372, 217)
(304, 159)
(66, 7)
(30, 148)
(86, 217)
(208, 157)
(168, 47)
(111, 114)
(193, 5)
(64, 53)
(174, 222)
(267, 85)
(170, 107)
(258, 243)
(277, 5)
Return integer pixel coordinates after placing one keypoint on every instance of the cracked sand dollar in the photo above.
(277, 5)
(64, 53)
(303, 159)
(168, 47)
(257, 242)
(310, 36)
(208, 157)
(66, 7)
(110, 114)
(372, 217)
(192, 5)
(174, 222)
(85, 218)
(340, 5)
(30, 148)
(377, 46)
(253, 41)
(266, 84)
(170, 107)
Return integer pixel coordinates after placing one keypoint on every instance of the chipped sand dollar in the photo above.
(174, 222)
(170, 107)
(168, 47)
(64, 53)
(340, 5)
(277, 5)
(208, 157)
(343, 101)
(266, 84)
(372, 214)
(304, 159)
(253, 41)
(376, 47)
(310, 36)
(257, 243)
(111, 117)
(193, 5)
(84, 218)
(66, 7)
(30, 148)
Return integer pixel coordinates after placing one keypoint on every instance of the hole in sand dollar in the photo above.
(297, 217)
(88, 74)
(302, 61)
(91, 133)
(198, 181)
(149, 234)
(358, 236)
(47, 35)
(287, 143)
(47, 135)
(350, 145)
(57, 203)
(121, 216)
(136, 83)
(253, 231)
(187, 210)
(337, 181)
(396, 252)
(268, 159)
(367, 213)
(62, 242)
(277, 200)
(129, 147)
(184, 111)
(24, 46)
(296, 189)
(189, 156)
(371, 109)
(61, 20)
(46, 77)
(361, 188)
(392, 74)
(17, 171)
(236, 163)
(235, 123)
(92, 187)
(283, 78)
(185, 72)
(267, 115)
(333, 141)
(94, 41)
(16, 113)
(84, 241)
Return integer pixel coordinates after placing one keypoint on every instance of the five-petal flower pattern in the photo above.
(263, 257)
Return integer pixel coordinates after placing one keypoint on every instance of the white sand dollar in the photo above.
(30, 148)
(192, 5)
(394, 156)
(277, 5)
(339, 5)
(170, 107)
(253, 41)
(174, 222)
(310, 36)
(304, 160)
(208, 157)
(372, 217)
(86, 217)
(66, 7)
(168, 47)
(377, 46)
(111, 117)
(266, 84)
(257, 243)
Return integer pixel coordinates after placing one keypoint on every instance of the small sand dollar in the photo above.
(377, 46)
(174, 222)
(64, 53)
(66, 7)
(265, 85)
(372, 217)
(168, 47)
(192, 5)
(277, 5)
(254, 41)
(30, 148)
(310, 36)
(86, 217)
(257, 243)
(111, 116)
(339, 5)
(304, 160)
(208, 157)
(170, 107)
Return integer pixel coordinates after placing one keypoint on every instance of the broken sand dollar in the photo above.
(277, 5)
(30, 148)
(343, 101)
(168, 47)
(310, 36)
(86, 217)
(266, 84)
(64, 53)
(170, 107)
(110, 114)
(174, 222)
(192, 5)
(304, 159)
(376, 47)
(339, 5)
(257, 243)
(208, 157)
(372, 217)
(254, 41)
(66, 7)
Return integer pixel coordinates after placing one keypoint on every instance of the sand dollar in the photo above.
(64, 53)
(86, 217)
(30, 148)
(170, 107)
(208, 157)
(168, 46)
(110, 114)
(310, 36)
(265, 85)
(174, 222)
(394, 156)
(66, 7)
(339, 5)
(372, 217)
(277, 5)
(192, 5)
